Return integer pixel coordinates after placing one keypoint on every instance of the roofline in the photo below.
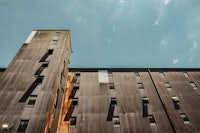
(50, 30)
(132, 69)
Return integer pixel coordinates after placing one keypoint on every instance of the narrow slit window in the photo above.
(113, 102)
(41, 68)
(151, 120)
(176, 103)
(145, 103)
(116, 122)
(73, 122)
(161, 74)
(49, 52)
(185, 118)
(31, 89)
(32, 100)
(140, 86)
(73, 92)
(22, 126)
(54, 42)
(193, 85)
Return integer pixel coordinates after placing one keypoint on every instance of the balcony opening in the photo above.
(151, 120)
(145, 102)
(73, 122)
(32, 100)
(116, 122)
(113, 102)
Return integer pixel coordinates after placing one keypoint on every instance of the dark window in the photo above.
(110, 73)
(185, 118)
(78, 73)
(176, 103)
(73, 92)
(145, 102)
(140, 86)
(151, 120)
(113, 102)
(31, 89)
(32, 100)
(75, 101)
(41, 68)
(49, 52)
(136, 74)
(73, 122)
(111, 86)
(22, 126)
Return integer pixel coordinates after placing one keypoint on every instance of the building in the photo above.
(31, 88)
(40, 94)
(130, 100)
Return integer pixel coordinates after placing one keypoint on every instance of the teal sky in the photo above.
(109, 33)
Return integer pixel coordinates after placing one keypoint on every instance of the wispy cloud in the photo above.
(175, 61)
(195, 45)
(160, 10)
(164, 43)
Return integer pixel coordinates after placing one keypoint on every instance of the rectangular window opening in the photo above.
(116, 121)
(39, 80)
(22, 126)
(176, 103)
(78, 74)
(75, 101)
(140, 86)
(32, 100)
(151, 120)
(111, 86)
(54, 42)
(113, 102)
(110, 73)
(50, 51)
(161, 74)
(185, 118)
(73, 92)
(145, 102)
(57, 33)
(136, 74)
(73, 122)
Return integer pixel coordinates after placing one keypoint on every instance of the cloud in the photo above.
(164, 43)
(195, 45)
(160, 10)
(166, 2)
(175, 61)
(191, 58)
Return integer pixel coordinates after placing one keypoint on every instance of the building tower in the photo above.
(32, 87)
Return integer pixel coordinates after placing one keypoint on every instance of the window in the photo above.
(151, 120)
(136, 74)
(32, 100)
(73, 92)
(145, 102)
(73, 122)
(110, 73)
(193, 85)
(140, 86)
(116, 122)
(41, 68)
(176, 103)
(167, 85)
(54, 42)
(161, 74)
(57, 33)
(75, 101)
(22, 126)
(111, 86)
(49, 52)
(113, 102)
(78, 73)
(185, 118)
(39, 80)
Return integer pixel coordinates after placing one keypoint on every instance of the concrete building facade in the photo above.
(32, 87)
(40, 94)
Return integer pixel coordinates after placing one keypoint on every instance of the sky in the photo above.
(109, 33)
